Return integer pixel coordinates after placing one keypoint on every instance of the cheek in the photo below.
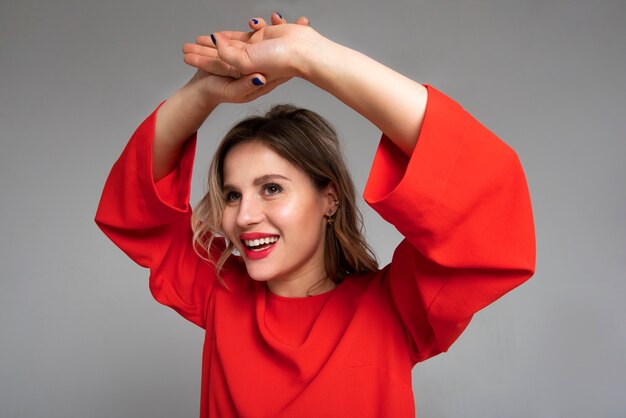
(298, 214)
(286, 212)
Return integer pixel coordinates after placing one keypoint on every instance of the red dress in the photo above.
(462, 204)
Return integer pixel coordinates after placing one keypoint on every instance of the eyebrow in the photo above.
(267, 178)
(259, 181)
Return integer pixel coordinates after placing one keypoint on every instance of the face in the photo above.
(275, 216)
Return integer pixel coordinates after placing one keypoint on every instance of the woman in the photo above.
(303, 323)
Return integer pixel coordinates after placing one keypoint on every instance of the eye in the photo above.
(232, 196)
(271, 189)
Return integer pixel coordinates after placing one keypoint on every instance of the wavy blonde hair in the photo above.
(309, 142)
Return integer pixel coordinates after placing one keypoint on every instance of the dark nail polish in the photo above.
(213, 39)
(257, 81)
(279, 15)
(255, 21)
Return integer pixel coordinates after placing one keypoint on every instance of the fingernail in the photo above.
(255, 21)
(213, 39)
(279, 15)
(257, 81)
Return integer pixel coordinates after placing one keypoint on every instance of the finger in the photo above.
(277, 19)
(268, 87)
(205, 40)
(234, 53)
(303, 20)
(200, 50)
(244, 88)
(257, 23)
(211, 65)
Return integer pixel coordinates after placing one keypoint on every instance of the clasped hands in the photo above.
(237, 67)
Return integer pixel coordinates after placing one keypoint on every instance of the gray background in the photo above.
(80, 334)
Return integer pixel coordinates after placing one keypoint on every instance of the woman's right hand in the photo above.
(216, 82)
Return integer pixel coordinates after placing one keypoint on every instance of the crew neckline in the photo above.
(324, 295)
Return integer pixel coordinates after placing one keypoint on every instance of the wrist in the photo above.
(197, 93)
(311, 54)
(321, 62)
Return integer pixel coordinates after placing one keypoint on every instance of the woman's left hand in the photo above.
(278, 51)
(206, 56)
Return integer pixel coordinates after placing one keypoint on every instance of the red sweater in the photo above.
(462, 204)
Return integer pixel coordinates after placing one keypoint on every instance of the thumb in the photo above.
(244, 89)
(232, 51)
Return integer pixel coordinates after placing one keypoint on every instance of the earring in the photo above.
(331, 213)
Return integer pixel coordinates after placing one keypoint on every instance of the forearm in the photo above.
(391, 101)
(177, 119)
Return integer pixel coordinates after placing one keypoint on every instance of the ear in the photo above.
(330, 199)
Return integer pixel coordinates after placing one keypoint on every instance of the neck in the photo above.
(322, 286)
(295, 289)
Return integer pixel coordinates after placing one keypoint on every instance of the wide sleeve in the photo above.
(461, 201)
(151, 223)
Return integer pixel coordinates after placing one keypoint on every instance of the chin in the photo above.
(259, 278)
(259, 274)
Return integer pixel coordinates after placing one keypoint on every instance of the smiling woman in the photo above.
(303, 323)
(308, 180)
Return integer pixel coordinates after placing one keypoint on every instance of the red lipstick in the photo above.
(261, 250)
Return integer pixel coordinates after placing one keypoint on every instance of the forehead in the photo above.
(251, 160)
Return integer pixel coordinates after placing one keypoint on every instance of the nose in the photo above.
(250, 212)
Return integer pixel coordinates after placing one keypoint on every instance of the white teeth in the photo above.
(260, 241)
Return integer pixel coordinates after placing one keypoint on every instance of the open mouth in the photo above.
(259, 244)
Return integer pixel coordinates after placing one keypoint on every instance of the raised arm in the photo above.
(215, 82)
(183, 113)
(369, 88)
(362, 83)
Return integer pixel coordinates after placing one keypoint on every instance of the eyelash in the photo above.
(272, 189)
(269, 189)
(232, 196)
